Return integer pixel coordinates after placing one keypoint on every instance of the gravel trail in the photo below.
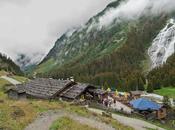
(45, 120)
(132, 122)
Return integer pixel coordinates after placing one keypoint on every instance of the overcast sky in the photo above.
(32, 26)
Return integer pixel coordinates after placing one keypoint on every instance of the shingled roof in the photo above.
(47, 88)
(51, 88)
(75, 91)
(98, 91)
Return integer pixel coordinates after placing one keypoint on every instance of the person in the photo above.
(105, 102)
(114, 102)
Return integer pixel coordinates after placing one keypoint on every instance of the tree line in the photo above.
(8, 65)
(163, 76)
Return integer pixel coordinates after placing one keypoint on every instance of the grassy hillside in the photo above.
(16, 115)
(20, 78)
(2, 72)
(3, 83)
(45, 67)
(169, 91)
(65, 123)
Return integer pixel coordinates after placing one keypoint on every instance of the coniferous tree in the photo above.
(150, 88)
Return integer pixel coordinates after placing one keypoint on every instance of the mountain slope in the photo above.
(114, 54)
(86, 40)
(8, 65)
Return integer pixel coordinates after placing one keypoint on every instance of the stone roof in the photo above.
(51, 88)
(75, 91)
(47, 88)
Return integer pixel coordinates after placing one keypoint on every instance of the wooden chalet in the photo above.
(51, 89)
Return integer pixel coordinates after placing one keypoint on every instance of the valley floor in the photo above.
(41, 114)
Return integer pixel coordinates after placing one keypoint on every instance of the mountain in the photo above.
(163, 75)
(113, 51)
(8, 65)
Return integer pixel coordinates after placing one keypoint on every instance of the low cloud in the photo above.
(133, 9)
(31, 27)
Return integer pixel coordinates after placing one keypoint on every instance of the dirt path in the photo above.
(132, 122)
(11, 80)
(45, 120)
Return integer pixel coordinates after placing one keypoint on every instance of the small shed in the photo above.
(17, 92)
(136, 94)
(76, 91)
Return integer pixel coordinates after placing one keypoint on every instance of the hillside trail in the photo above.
(11, 80)
(45, 120)
(137, 124)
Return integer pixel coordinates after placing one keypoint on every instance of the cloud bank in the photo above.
(31, 27)
(133, 9)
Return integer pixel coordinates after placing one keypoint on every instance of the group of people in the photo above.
(108, 101)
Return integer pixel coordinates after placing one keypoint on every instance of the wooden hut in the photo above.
(76, 91)
(17, 92)
(47, 88)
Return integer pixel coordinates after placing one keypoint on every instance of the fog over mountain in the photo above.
(134, 9)
(31, 27)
